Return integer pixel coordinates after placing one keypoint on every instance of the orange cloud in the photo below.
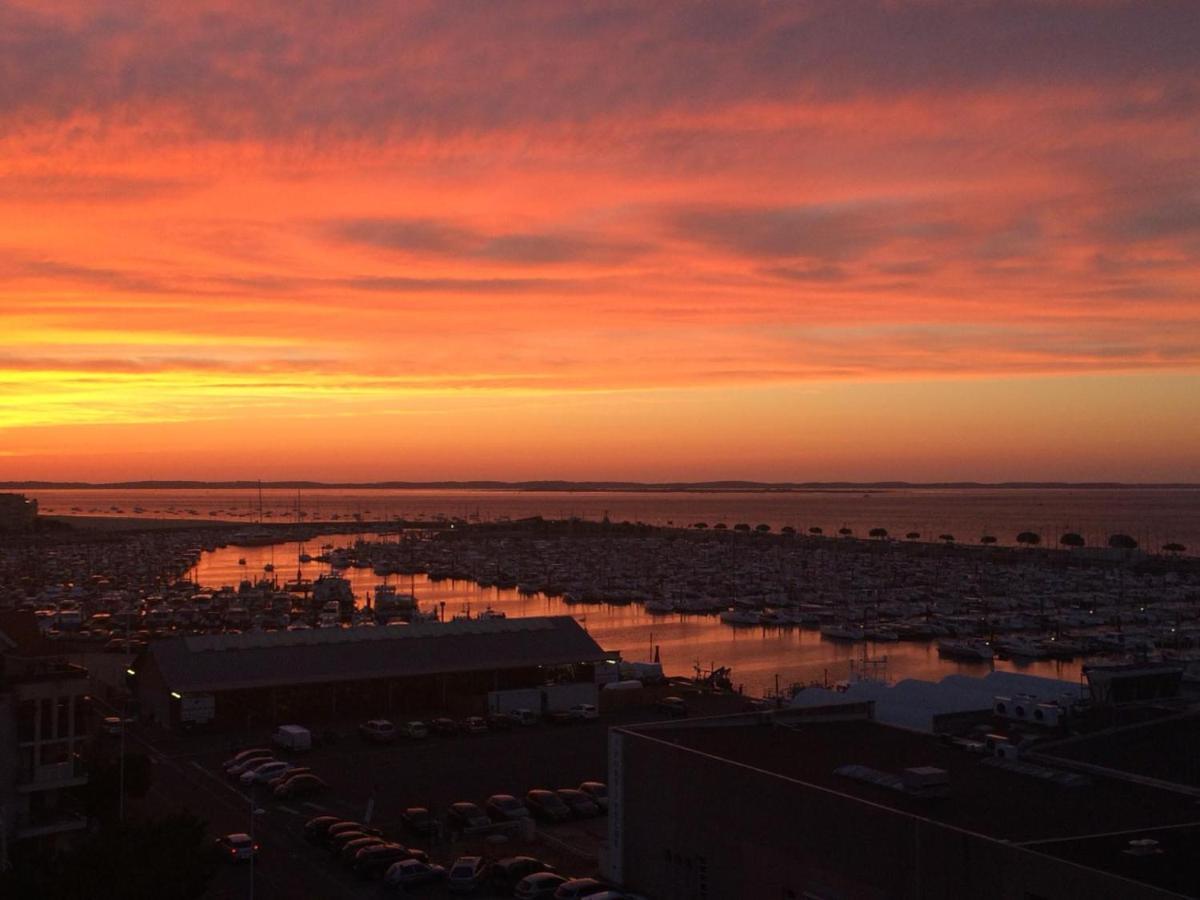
(213, 215)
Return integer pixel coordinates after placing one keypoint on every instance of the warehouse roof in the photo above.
(256, 660)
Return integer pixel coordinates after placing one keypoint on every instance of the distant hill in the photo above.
(698, 486)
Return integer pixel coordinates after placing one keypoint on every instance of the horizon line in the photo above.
(728, 485)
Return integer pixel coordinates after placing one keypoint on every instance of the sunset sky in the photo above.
(781, 241)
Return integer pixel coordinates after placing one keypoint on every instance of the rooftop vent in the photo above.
(921, 781)
(1143, 847)
(926, 781)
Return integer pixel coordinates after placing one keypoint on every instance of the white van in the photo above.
(296, 738)
(525, 716)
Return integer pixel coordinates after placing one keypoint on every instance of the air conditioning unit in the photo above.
(1047, 714)
(1000, 746)
(1001, 706)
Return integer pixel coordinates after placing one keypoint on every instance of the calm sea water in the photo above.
(758, 656)
(1153, 516)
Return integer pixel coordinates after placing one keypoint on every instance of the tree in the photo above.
(701, 525)
(948, 538)
(720, 526)
(1122, 542)
(1072, 539)
(788, 529)
(845, 532)
(1029, 538)
(988, 539)
(879, 533)
(816, 529)
(913, 535)
(135, 861)
(741, 526)
(1174, 548)
(763, 528)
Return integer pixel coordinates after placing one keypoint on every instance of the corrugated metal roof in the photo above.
(239, 661)
(912, 703)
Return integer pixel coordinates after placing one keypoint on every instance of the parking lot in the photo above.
(380, 782)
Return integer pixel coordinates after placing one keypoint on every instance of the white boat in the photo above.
(843, 633)
(966, 650)
(881, 634)
(737, 616)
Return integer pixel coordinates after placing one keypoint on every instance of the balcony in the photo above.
(52, 777)
(47, 823)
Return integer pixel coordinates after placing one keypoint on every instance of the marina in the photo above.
(779, 610)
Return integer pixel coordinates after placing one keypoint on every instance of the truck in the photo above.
(296, 738)
(196, 710)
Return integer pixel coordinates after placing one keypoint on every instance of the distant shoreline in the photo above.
(702, 487)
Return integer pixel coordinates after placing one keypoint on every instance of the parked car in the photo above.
(377, 731)
(466, 815)
(584, 711)
(239, 758)
(672, 706)
(501, 722)
(475, 725)
(581, 805)
(415, 730)
(506, 873)
(264, 771)
(339, 837)
(466, 874)
(317, 828)
(236, 771)
(598, 791)
(350, 849)
(236, 847)
(525, 716)
(408, 872)
(547, 806)
(577, 888)
(371, 862)
(539, 886)
(301, 786)
(444, 726)
(115, 725)
(288, 775)
(419, 820)
(560, 717)
(505, 808)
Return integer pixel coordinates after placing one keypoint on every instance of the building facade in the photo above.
(45, 719)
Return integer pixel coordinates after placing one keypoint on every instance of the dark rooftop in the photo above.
(984, 799)
(231, 662)
(1165, 749)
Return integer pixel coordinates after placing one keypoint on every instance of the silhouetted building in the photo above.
(829, 805)
(44, 723)
(327, 673)
(17, 512)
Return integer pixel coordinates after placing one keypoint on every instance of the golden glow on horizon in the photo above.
(522, 249)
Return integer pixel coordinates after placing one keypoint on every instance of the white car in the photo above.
(250, 762)
(265, 772)
(584, 711)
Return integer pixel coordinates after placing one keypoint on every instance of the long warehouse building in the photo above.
(241, 680)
